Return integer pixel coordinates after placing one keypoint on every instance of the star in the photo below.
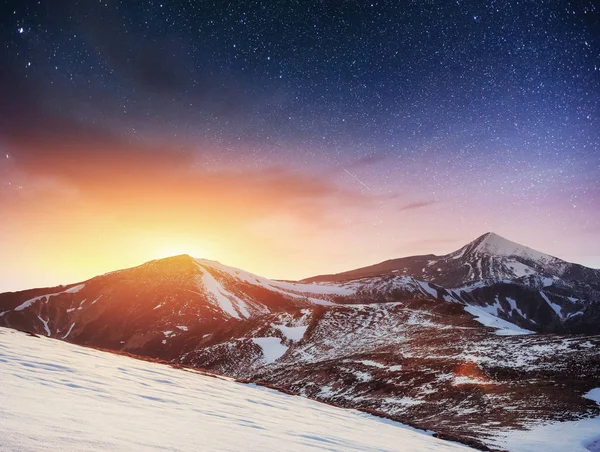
(488, 110)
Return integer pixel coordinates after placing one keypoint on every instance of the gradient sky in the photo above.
(293, 138)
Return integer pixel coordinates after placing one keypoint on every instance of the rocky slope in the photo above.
(531, 289)
(423, 362)
(446, 343)
(141, 308)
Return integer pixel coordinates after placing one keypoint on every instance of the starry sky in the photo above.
(293, 138)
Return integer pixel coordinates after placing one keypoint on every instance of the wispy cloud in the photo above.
(367, 160)
(416, 205)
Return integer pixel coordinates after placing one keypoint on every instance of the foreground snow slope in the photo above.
(58, 396)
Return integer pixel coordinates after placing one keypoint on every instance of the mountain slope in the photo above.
(107, 402)
(141, 308)
(425, 362)
(510, 281)
(487, 257)
(446, 343)
(151, 308)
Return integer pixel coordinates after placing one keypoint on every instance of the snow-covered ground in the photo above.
(573, 436)
(58, 396)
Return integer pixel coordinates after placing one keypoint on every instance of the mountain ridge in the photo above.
(450, 343)
(528, 288)
(391, 264)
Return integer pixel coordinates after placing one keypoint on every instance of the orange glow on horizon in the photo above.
(79, 217)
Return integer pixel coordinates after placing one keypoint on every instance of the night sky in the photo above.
(294, 138)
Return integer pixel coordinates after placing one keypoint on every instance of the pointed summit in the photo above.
(493, 244)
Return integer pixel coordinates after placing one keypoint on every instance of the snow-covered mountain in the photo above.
(144, 307)
(445, 343)
(487, 257)
(503, 279)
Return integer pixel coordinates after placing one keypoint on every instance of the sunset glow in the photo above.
(325, 149)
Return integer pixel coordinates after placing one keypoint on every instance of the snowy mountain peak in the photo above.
(492, 244)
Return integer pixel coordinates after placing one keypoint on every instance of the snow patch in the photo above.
(556, 308)
(286, 287)
(75, 289)
(513, 306)
(573, 314)
(216, 291)
(29, 302)
(519, 269)
(460, 253)
(427, 288)
(487, 318)
(594, 395)
(293, 333)
(69, 332)
(464, 380)
(406, 401)
(45, 322)
(94, 302)
(272, 349)
(370, 363)
(363, 377)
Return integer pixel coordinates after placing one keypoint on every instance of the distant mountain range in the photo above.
(492, 336)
